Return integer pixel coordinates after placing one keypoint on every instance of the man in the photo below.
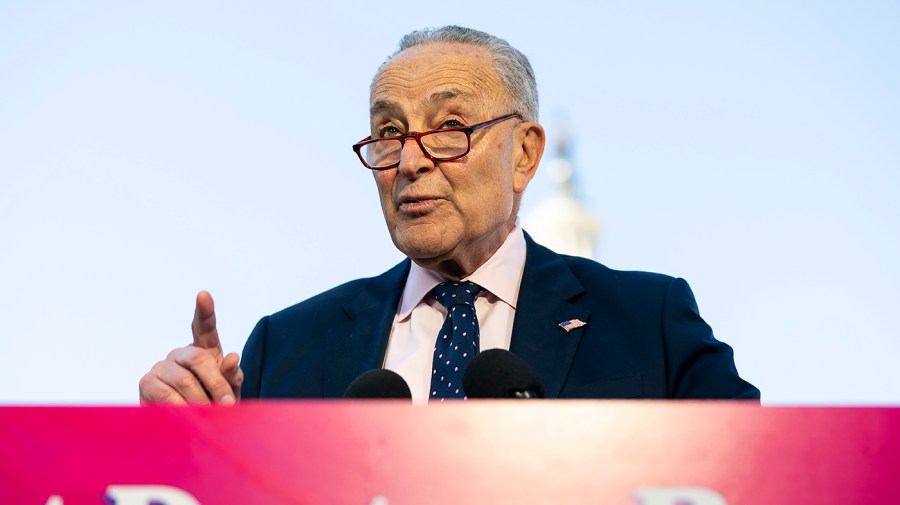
(454, 143)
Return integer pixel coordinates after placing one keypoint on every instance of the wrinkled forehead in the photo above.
(439, 72)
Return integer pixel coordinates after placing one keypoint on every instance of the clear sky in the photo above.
(149, 150)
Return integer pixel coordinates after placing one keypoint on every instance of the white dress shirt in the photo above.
(419, 316)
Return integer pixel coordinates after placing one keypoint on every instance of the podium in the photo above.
(461, 452)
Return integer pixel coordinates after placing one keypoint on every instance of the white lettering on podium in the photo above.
(149, 495)
(167, 495)
(678, 496)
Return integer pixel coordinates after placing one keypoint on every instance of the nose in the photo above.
(413, 161)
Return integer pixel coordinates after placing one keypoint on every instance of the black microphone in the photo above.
(496, 373)
(378, 383)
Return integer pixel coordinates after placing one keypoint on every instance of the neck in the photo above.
(464, 260)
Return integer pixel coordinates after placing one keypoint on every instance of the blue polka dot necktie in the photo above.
(457, 342)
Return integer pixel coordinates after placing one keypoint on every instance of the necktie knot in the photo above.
(449, 294)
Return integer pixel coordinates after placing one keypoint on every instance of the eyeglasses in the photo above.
(438, 145)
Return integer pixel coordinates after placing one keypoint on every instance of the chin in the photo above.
(428, 241)
(422, 248)
(422, 251)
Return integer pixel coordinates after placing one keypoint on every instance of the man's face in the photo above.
(448, 216)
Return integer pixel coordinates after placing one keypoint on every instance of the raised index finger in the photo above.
(204, 326)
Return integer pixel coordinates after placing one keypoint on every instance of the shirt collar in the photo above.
(500, 275)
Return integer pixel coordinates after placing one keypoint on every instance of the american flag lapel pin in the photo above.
(571, 324)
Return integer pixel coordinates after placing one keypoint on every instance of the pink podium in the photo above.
(473, 452)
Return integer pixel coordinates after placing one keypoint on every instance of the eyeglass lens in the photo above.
(439, 145)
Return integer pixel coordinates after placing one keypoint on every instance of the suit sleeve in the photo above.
(252, 358)
(697, 365)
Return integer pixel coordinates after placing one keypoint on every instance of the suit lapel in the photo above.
(547, 285)
(359, 344)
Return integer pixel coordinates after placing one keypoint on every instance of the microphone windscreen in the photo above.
(497, 373)
(378, 383)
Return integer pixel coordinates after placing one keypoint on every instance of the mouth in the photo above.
(416, 204)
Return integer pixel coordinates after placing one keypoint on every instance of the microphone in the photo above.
(496, 373)
(378, 383)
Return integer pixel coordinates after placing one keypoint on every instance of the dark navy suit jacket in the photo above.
(644, 337)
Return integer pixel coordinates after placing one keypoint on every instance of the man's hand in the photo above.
(198, 373)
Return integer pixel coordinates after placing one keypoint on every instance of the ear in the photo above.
(529, 149)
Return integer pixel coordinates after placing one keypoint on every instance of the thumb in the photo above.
(231, 369)
(204, 325)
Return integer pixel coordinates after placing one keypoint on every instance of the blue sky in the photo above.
(148, 151)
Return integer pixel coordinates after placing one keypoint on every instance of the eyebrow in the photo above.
(388, 107)
(383, 107)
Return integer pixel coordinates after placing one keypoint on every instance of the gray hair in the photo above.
(511, 65)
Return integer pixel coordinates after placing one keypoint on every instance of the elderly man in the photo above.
(454, 143)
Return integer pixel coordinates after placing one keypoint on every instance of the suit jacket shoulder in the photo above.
(643, 337)
(314, 349)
